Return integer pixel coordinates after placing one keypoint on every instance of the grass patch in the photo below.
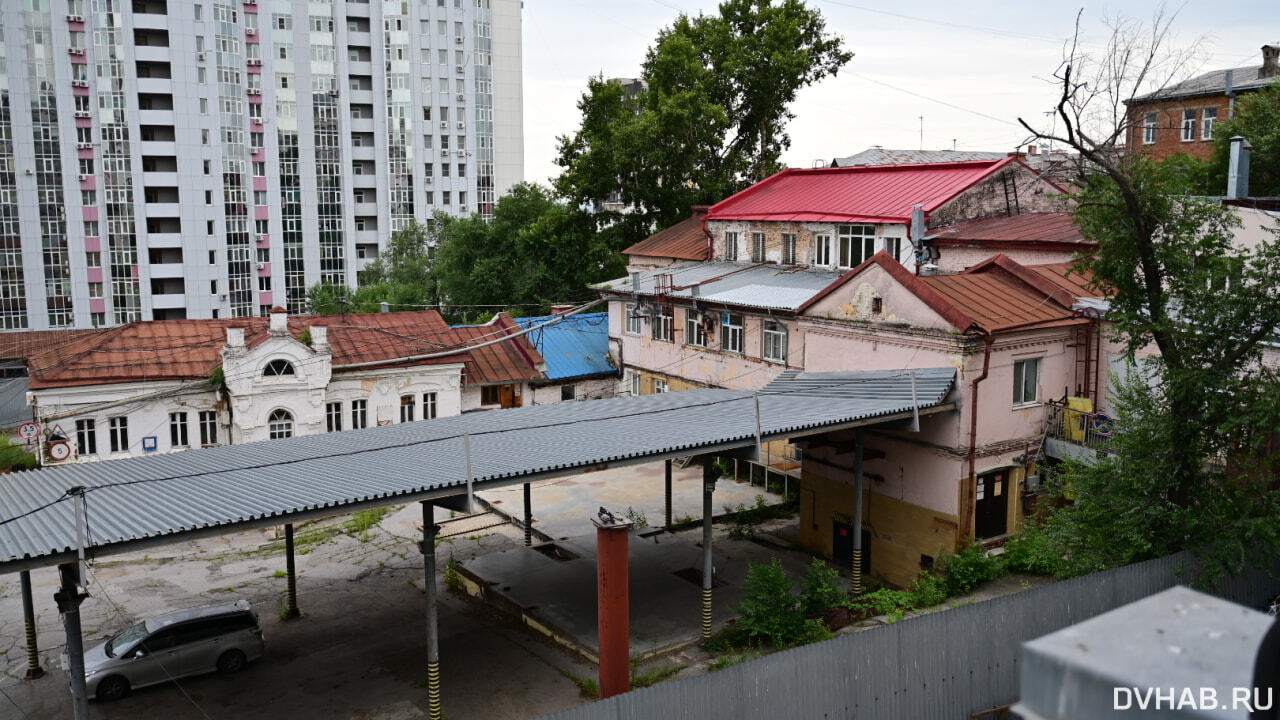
(452, 578)
(359, 525)
(725, 661)
(279, 574)
(588, 687)
(652, 676)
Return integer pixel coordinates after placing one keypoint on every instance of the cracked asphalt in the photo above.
(357, 652)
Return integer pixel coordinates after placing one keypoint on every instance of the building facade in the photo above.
(211, 159)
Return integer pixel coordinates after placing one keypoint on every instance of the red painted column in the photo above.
(614, 603)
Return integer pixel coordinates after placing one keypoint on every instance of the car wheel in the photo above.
(231, 661)
(113, 688)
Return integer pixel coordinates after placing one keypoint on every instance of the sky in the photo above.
(970, 68)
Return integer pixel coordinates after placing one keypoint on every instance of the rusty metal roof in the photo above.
(1066, 276)
(1027, 230)
(683, 241)
(998, 302)
(516, 360)
(880, 193)
(885, 156)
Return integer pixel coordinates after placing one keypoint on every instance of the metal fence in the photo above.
(948, 664)
(1090, 429)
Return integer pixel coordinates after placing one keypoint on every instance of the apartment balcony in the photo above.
(360, 67)
(160, 179)
(361, 124)
(164, 240)
(168, 301)
(157, 85)
(155, 117)
(158, 147)
(1076, 434)
(151, 53)
(162, 209)
(368, 180)
(151, 21)
(366, 237)
(363, 97)
(364, 208)
(357, 9)
(356, 37)
(167, 270)
(364, 152)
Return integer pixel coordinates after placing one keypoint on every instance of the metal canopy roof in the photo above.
(143, 501)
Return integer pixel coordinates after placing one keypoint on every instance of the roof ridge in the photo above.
(931, 297)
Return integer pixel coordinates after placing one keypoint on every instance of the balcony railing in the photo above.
(1090, 429)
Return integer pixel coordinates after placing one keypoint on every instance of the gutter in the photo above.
(971, 483)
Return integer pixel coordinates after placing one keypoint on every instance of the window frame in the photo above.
(208, 420)
(730, 246)
(1190, 118)
(759, 243)
(774, 333)
(1020, 399)
(1208, 118)
(663, 323)
(845, 239)
(430, 405)
(333, 416)
(86, 437)
(179, 432)
(359, 414)
(1149, 129)
(118, 431)
(281, 424)
(732, 335)
(788, 249)
(694, 334)
(661, 386)
(632, 315)
(822, 249)
(408, 407)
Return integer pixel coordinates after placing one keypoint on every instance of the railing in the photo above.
(1090, 429)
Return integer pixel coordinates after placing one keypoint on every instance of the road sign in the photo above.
(28, 431)
(59, 450)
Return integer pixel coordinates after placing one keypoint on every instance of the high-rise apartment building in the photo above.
(164, 159)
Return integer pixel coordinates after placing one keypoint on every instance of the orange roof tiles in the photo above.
(190, 349)
(22, 344)
(683, 241)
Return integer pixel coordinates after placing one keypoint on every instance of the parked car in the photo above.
(222, 638)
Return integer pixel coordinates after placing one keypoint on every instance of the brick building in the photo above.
(1181, 118)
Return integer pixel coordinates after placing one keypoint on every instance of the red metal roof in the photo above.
(190, 349)
(1027, 230)
(877, 193)
(683, 241)
(1065, 275)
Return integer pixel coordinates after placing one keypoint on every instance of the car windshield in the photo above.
(124, 642)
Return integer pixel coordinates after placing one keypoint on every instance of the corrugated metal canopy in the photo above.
(168, 498)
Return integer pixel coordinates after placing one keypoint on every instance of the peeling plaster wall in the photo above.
(806, 252)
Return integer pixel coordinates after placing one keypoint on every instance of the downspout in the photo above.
(971, 483)
(711, 241)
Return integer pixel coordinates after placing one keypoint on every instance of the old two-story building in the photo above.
(1181, 118)
(168, 386)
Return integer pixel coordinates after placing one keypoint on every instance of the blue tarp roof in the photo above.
(577, 346)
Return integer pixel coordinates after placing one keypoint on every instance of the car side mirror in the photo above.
(139, 653)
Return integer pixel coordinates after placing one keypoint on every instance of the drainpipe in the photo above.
(711, 241)
(970, 484)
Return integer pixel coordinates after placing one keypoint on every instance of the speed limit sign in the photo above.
(28, 431)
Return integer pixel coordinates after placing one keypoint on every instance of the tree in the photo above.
(401, 276)
(711, 121)
(534, 252)
(1166, 261)
(1257, 119)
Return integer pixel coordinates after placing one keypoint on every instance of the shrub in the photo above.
(1030, 551)
(968, 568)
(928, 590)
(821, 588)
(888, 602)
(769, 606)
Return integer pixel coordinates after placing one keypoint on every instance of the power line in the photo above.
(935, 100)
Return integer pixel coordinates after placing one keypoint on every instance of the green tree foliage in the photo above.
(821, 588)
(401, 276)
(770, 608)
(711, 121)
(16, 457)
(1257, 119)
(534, 251)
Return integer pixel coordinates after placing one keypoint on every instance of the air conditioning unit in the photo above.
(255, 91)
(84, 177)
(461, 153)
(28, 171)
(222, 296)
(461, 125)
(251, 31)
(84, 146)
(79, 83)
(333, 93)
(261, 265)
(461, 39)
(82, 113)
(259, 237)
(76, 51)
(254, 62)
(250, 2)
(75, 18)
(463, 208)
(200, 57)
(426, 180)
(462, 97)
(444, 124)
(256, 120)
(458, 68)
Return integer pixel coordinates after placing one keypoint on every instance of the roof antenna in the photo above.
(922, 132)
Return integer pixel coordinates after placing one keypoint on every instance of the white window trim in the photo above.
(1019, 380)
(629, 313)
(781, 341)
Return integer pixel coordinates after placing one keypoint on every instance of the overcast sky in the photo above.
(988, 57)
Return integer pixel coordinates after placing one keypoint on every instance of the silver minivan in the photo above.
(223, 637)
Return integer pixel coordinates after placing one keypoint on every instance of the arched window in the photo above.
(280, 424)
(278, 368)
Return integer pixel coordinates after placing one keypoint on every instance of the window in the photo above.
(118, 431)
(1188, 125)
(731, 246)
(208, 427)
(857, 243)
(333, 417)
(278, 368)
(1149, 129)
(757, 247)
(490, 395)
(661, 324)
(822, 250)
(86, 437)
(566, 393)
(633, 319)
(893, 246)
(788, 249)
(1026, 381)
(775, 341)
(407, 405)
(429, 406)
(660, 386)
(178, 430)
(280, 425)
(694, 333)
(635, 383)
(359, 414)
(731, 332)
(1208, 117)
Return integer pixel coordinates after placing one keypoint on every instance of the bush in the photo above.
(770, 608)
(888, 602)
(968, 568)
(928, 590)
(821, 588)
(1030, 551)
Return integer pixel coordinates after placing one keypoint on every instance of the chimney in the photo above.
(279, 321)
(319, 338)
(235, 338)
(561, 309)
(1238, 171)
(1270, 61)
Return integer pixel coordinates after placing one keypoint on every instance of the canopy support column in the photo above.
(291, 571)
(429, 529)
(29, 616)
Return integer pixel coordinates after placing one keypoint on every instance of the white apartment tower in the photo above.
(165, 159)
